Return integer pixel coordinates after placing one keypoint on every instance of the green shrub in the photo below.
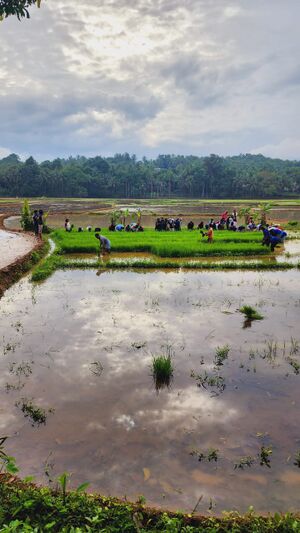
(26, 219)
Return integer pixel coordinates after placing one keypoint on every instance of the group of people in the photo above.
(167, 224)
(105, 245)
(134, 226)
(272, 235)
(38, 222)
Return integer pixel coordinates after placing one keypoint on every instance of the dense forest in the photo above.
(124, 176)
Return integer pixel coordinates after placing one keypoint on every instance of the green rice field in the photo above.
(164, 244)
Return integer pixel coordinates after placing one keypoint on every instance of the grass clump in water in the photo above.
(37, 415)
(162, 370)
(221, 354)
(251, 313)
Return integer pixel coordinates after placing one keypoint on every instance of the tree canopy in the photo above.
(124, 176)
(16, 7)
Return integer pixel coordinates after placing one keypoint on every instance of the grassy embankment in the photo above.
(168, 245)
(26, 508)
(15, 271)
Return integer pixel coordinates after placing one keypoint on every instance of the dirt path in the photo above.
(14, 246)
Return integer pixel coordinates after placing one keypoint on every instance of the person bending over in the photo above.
(209, 234)
(105, 245)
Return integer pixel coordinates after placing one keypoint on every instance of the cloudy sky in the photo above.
(151, 76)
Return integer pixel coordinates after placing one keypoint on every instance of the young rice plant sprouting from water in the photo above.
(210, 455)
(162, 369)
(221, 354)
(264, 456)
(37, 415)
(251, 313)
(214, 382)
(244, 461)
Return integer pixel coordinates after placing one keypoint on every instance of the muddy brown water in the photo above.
(83, 343)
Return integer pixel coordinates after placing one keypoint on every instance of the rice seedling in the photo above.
(294, 364)
(37, 415)
(215, 382)
(210, 455)
(221, 354)
(264, 456)
(297, 459)
(251, 313)
(294, 346)
(244, 462)
(162, 369)
(270, 352)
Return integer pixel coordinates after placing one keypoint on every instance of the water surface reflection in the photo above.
(89, 343)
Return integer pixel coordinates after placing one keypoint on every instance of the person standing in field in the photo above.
(105, 245)
(35, 218)
(40, 223)
(210, 234)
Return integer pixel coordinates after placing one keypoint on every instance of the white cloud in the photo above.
(150, 77)
(286, 149)
(4, 152)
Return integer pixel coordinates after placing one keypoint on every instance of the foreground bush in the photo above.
(27, 508)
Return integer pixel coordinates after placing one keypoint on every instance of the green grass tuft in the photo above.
(162, 370)
(251, 313)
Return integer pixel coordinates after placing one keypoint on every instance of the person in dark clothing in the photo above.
(177, 225)
(190, 225)
(35, 218)
(105, 245)
(40, 223)
(266, 236)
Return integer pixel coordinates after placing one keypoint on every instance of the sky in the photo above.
(149, 77)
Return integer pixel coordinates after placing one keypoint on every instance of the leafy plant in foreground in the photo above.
(7, 462)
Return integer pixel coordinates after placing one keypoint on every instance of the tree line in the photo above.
(124, 176)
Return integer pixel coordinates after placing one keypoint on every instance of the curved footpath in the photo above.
(14, 246)
(16, 254)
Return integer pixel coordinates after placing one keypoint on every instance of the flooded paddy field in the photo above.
(77, 392)
(92, 213)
